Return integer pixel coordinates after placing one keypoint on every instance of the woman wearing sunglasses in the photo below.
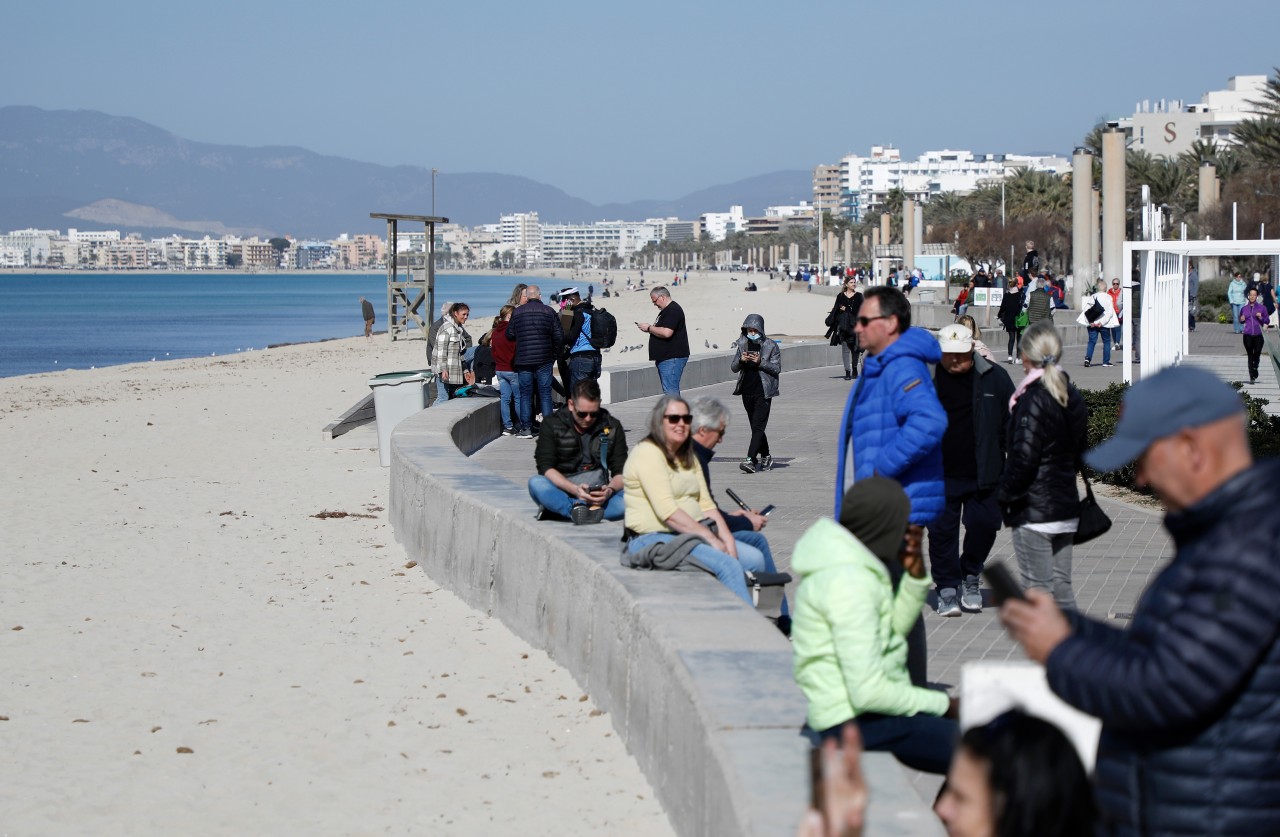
(666, 498)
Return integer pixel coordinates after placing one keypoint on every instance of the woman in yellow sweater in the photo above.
(666, 496)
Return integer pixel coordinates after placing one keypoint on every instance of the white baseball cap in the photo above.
(955, 339)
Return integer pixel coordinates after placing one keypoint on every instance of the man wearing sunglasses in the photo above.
(579, 456)
(894, 423)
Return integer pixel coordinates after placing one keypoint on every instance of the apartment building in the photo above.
(718, 225)
(826, 188)
(596, 243)
(1167, 128)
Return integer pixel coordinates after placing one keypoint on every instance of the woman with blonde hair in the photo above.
(978, 346)
(1046, 437)
(670, 514)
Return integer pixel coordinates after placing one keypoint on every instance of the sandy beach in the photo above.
(189, 648)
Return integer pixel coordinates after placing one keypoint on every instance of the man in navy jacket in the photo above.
(536, 331)
(1189, 694)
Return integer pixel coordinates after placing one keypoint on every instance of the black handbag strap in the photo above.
(1084, 475)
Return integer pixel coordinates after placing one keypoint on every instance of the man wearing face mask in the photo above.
(758, 362)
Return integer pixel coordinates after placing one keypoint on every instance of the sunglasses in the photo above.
(866, 321)
(587, 414)
(677, 418)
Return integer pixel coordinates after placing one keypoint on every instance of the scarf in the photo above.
(1032, 376)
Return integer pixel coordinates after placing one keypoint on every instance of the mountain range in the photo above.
(91, 170)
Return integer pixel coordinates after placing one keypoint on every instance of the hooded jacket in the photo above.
(1189, 695)
(894, 422)
(849, 631)
(770, 358)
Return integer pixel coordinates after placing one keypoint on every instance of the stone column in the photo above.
(918, 247)
(1209, 267)
(885, 228)
(1113, 220)
(1081, 223)
(848, 248)
(1095, 234)
(909, 234)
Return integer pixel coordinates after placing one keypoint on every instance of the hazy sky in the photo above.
(623, 101)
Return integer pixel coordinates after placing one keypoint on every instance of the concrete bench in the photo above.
(697, 686)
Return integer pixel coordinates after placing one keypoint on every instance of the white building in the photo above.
(1168, 128)
(866, 181)
(32, 247)
(673, 229)
(592, 244)
(718, 225)
(522, 233)
(804, 209)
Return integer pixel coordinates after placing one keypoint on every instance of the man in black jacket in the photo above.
(535, 329)
(975, 393)
(580, 453)
(1189, 693)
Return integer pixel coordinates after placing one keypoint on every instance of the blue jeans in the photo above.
(509, 390)
(1106, 344)
(728, 571)
(545, 494)
(669, 372)
(527, 376)
(1117, 332)
(582, 367)
(1235, 318)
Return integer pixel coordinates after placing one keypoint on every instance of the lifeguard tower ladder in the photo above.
(411, 277)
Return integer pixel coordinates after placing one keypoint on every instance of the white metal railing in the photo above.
(1162, 282)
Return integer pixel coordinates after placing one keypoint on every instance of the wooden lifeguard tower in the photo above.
(408, 290)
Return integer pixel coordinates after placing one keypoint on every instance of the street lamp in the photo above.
(433, 191)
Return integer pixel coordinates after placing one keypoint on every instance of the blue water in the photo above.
(64, 320)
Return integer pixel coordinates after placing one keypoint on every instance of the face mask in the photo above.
(753, 335)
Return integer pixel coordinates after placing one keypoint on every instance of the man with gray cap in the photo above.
(1189, 693)
(975, 394)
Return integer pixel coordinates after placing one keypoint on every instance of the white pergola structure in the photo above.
(1162, 274)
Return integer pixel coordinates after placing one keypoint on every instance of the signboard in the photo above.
(987, 297)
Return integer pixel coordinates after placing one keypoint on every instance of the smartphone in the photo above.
(753, 346)
(595, 489)
(765, 511)
(1002, 583)
(733, 495)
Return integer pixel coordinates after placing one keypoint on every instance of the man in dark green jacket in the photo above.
(975, 394)
(580, 454)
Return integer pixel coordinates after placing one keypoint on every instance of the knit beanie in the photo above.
(876, 511)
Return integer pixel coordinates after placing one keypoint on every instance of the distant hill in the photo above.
(91, 170)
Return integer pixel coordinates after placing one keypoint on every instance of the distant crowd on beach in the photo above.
(937, 445)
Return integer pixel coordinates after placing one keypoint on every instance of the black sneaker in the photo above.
(848, 376)
(766, 463)
(508, 431)
(1086, 361)
(747, 466)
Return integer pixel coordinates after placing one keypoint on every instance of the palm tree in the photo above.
(1260, 138)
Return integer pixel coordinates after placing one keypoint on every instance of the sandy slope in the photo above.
(166, 586)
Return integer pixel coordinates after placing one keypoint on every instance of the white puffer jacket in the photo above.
(1108, 318)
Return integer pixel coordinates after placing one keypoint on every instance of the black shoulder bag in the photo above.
(1093, 520)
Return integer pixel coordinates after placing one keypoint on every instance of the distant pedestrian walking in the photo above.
(366, 310)
(758, 362)
(1253, 318)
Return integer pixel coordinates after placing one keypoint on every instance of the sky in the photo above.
(629, 101)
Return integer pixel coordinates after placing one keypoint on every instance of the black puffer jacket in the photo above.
(1039, 483)
(560, 444)
(1189, 695)
(537, 334)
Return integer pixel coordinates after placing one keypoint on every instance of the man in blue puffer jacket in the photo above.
(895, 424)
(893, 418)
(1189, 693)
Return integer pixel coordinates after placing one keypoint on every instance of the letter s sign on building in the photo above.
(1170, 134)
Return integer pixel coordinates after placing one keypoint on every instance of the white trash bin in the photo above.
(396, 396)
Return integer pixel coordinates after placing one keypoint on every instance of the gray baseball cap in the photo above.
(1174, 399)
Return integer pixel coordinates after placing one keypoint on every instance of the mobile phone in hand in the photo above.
(1002, 583)
(765, 511)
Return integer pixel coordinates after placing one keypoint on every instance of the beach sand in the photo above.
(188, 649)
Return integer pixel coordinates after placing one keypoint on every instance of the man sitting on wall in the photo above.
(580, 453)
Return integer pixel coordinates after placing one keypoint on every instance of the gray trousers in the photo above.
(1045, 562)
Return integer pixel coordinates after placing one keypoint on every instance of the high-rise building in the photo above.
(826, 188)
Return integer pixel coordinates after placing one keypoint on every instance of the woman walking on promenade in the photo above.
(1235, 298)
(843, 316)
(1102, 325)
(1010, 310)
(504, 352)
(1254, 318)
(451, 342)
(670, 513)
(758, 362)
(1046, 436)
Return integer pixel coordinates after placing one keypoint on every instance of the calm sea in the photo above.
(64, 320)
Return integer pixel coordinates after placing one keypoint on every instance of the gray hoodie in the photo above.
(770, 357)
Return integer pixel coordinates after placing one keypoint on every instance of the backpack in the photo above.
(604, 329)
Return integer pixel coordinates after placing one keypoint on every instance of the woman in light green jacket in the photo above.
(849, 629)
